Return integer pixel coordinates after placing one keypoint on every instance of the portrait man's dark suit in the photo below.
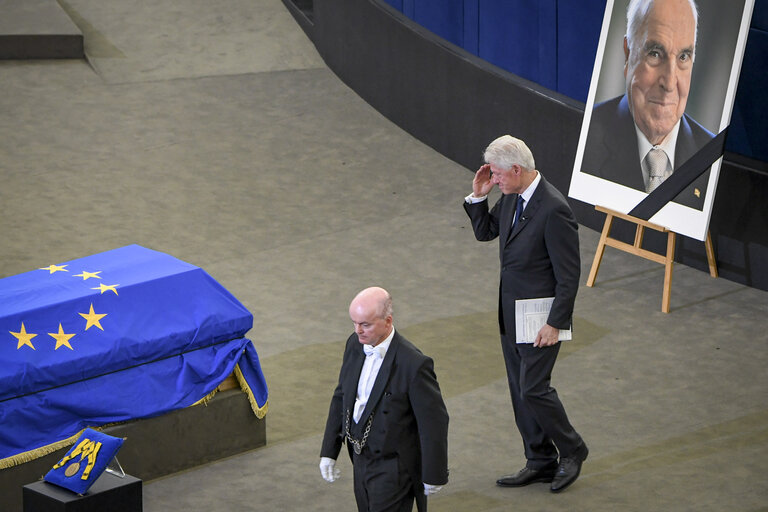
(539, 258)
(409, 431)
(611, 150)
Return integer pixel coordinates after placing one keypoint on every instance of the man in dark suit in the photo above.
(639, 138)
(539, 253)
(388, 409)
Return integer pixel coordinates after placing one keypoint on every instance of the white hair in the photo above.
(637, 14)
(386, 306)
(507, 151)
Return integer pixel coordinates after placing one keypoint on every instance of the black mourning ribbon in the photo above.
(681, 178)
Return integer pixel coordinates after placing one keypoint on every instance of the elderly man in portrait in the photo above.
(639, 138)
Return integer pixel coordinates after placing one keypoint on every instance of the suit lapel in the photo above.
(693, 195)
(351, 378)
(381, 379)
(508, 211)
(628, 162)
(686, 147)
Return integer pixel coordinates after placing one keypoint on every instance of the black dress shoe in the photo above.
(568, 471)
(528, 476)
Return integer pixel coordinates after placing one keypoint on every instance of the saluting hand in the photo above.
(482, 183)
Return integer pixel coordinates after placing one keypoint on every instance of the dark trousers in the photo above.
(540, 417)
(381, 485)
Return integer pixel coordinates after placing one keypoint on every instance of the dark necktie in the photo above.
(518, 212)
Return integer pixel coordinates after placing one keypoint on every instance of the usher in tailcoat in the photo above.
(611, 150)
(410, 422)
(539, 258)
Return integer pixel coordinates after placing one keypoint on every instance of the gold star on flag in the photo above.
(107, 288)
(55, 268)
(24, 337)
(61, 338)
(87, 275)
(92, 319)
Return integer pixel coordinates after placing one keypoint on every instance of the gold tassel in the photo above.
(259, 411)
(207, 398)
(21, 458)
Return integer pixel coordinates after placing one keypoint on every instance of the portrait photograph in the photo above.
(663, 85)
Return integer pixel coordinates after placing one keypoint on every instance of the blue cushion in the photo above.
(85, 461)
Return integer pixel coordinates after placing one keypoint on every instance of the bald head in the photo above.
(371, 314)
(374, 298)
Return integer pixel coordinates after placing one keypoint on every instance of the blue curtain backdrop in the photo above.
(553, 43)
(748, 134)
(550, 42)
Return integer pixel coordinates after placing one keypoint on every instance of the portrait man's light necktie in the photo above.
(656, 159)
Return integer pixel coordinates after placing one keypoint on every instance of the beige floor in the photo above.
(212, 131)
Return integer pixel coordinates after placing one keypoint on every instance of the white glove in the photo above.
(329, 470)
(431, 489)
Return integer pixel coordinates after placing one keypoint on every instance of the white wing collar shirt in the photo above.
(374, 356)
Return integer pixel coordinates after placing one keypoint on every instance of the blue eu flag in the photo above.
(129, 333)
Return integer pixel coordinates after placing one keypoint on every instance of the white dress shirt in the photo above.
(528, 192)
(369, 372)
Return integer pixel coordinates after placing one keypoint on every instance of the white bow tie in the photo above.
(374, 351)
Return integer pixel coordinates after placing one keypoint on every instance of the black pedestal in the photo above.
(108, 493)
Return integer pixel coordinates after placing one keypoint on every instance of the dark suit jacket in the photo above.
(410, 419)
(611, 150)
(539, 258)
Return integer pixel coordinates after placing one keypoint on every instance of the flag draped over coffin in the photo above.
(126, 334)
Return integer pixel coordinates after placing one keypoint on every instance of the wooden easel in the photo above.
(636, 249)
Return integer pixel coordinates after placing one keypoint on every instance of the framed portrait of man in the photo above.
(663, 86)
